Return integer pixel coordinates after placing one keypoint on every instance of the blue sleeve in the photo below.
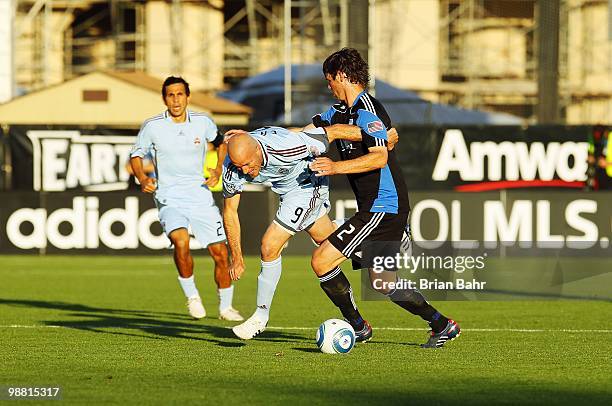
(143, 144)
(233, 183)
(373, 131)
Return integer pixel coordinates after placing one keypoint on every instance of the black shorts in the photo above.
(365, 227)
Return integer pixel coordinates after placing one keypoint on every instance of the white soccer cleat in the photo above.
(195, 307)
(230, 314)
(249, 328)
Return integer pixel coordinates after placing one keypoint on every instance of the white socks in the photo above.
(225, 297)
(189, 287)
(266, 286)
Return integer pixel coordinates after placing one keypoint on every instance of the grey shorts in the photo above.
(302, 207)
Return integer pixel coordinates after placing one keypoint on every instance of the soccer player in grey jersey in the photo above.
(279, 157)
(177, 139)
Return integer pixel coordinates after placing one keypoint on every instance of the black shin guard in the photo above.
(413, 301)
(337, 287)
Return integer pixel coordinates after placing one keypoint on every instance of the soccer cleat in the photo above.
(195, 307)
(250, 328)
(450, 332)
(365, 334)
(230, 314)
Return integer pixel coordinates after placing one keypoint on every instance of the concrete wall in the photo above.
(589, 63)
(6, 50)
(496, 51)
(200, 59)
(31, 64)
(406, 40)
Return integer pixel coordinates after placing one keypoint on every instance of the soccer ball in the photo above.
(335, 336)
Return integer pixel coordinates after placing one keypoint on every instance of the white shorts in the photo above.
(205, 221)
(301, 208)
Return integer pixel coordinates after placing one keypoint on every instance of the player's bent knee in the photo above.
(181, 244)
(218, 252)
(180, 238)
(218, 249)
(270, 250)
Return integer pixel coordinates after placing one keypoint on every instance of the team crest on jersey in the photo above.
(283, 171)
(197, 141)
(375, 126)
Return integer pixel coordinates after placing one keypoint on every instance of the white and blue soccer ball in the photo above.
(335, 336)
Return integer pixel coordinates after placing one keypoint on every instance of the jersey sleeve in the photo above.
(211, 132)
(233, 183)
(143, 144)
(323, 119)
(316, 141)
(373, 130)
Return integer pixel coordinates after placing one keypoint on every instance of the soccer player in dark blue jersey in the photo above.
(379, 187)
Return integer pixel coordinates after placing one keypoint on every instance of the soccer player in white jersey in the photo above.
(177, 139)
(280, 157)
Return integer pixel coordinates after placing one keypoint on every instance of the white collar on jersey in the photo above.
(187, 117)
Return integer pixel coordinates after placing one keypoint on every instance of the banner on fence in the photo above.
(123, 222)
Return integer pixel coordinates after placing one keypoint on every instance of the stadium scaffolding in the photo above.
(487, 50)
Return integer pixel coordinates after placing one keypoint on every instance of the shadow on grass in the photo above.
(467, 391)
(376, 342)
(306, 349)
(150, 325)
(368, 344)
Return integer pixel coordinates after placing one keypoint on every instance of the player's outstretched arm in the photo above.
(376, 158)
(147, 184)
(343, 132)
(353, 133)
(231, 223)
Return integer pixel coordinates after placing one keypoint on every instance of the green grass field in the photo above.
(115, 330)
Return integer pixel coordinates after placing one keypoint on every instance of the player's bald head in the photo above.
(241, 147)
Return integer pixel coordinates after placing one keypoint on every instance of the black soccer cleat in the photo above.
(365, 334)
(450, 332)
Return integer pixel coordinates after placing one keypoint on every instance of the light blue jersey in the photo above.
(304, 198)
(286, 156)
(179, 151)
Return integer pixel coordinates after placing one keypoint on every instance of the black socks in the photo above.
(337, 287)
(413, 301)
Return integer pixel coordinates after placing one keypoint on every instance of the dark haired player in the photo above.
(379, 187)
(177, 140)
